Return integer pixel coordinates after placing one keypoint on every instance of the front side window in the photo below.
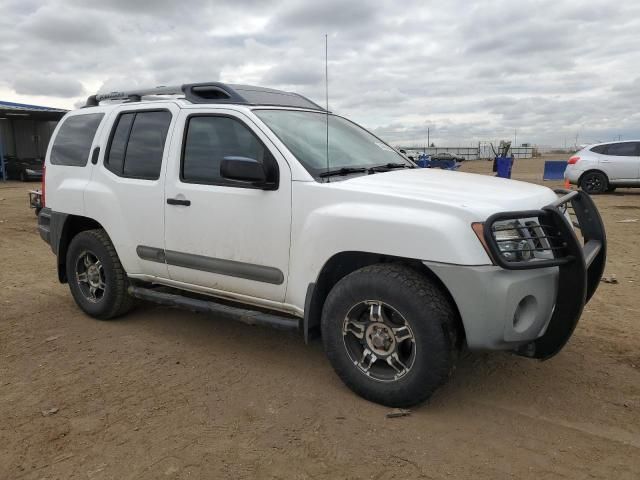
(137, 144)
(350, 146)
(624, 149)
(209, 139)
(73, 142)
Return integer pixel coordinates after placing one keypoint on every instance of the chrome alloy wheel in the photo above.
(379, 340)
(90, 276)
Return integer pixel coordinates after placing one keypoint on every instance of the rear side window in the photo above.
(626, 149)
(602, 149)
(73, 142)
(209, 139)
(137, 144)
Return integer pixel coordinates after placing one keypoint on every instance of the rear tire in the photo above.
(594, 183)
(96, 278)
(406, 324)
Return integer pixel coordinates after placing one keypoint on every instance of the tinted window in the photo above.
(626, 149)
(73, 141)
(600, 149)
(115, 160)
(209, 140)
(137, 144)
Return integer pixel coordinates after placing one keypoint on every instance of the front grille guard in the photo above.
(580, 263)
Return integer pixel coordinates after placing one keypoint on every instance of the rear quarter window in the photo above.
(602, 149)
(72, 144)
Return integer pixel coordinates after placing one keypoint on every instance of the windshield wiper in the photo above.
(343, 171)
(389, 166)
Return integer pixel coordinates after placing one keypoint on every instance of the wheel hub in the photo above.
(90, 276)
(380, 339)
(93, 276)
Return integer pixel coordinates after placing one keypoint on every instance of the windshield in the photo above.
(350, 146)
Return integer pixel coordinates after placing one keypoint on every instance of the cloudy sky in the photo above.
(467, 70)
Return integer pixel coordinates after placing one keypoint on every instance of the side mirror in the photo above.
(403, 151)
(243, 169)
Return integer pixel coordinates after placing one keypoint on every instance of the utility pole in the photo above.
(428, 137)
(515, 137)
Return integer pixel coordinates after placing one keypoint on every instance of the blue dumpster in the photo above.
(423, 160)
(503, 166)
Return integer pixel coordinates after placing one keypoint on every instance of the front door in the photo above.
(221, 234)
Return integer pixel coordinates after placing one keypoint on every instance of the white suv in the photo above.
(261, 205)
(603, 167)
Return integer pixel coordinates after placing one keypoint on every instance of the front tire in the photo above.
(388, 332)
(594, 183)
(96, 278)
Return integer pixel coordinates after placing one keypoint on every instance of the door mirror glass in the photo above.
(243, 169)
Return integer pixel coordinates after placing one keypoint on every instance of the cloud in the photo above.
(468, 72)
(297, 73)
(61, 25)
(48, 85)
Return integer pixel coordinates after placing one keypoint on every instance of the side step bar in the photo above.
(244, 315)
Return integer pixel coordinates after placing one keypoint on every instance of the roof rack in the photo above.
(213, 92)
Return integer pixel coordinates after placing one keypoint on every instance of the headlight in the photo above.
(514, 246)
(512, 238)
(29, 171)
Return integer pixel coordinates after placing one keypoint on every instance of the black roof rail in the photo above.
(213, 92)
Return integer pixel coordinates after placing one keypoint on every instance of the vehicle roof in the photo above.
(210, 93)
(609, 143)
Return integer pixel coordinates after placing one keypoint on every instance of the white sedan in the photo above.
(603, 167)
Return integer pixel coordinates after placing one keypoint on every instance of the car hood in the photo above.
(483, 195)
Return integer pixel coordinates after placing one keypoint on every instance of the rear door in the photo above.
(126, 192)
(621, 162)
(221, 234)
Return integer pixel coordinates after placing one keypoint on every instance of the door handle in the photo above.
(94, 156)
(178, 201)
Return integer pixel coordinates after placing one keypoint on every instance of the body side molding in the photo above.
(249, 271)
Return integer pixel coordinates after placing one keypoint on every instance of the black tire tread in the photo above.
(123, 302)
(606, 186)
(429, 294)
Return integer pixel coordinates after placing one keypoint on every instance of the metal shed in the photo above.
(25, 130)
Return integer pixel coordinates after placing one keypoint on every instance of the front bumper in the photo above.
(500, 309)
(532, 307)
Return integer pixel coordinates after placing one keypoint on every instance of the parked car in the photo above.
(23, 169)
(208, 193)
(447, 156)
(603, 167)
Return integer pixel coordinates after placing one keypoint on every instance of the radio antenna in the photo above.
(326, 96)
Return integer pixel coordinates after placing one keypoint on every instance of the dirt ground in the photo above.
(164, 393)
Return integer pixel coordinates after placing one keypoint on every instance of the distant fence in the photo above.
(470, 153)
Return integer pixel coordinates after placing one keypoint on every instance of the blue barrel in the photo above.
(503, 166)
